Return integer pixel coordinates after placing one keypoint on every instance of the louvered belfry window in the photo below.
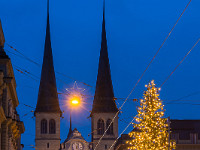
(100, 127)
(52, 126)
(110, 129)
(44, 126)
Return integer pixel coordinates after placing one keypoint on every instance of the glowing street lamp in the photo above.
(75, 101)
(75, 97)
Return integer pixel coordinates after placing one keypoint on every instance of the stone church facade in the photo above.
(104, 109)
(75, 141)
(11, 127)
(48, 113)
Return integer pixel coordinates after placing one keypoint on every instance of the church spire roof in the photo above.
(70, 128)
(104, 95)
(48, 96)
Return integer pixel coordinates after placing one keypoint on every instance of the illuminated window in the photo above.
(100, 127)
(52, 126)
(44, 126)
(110, 130)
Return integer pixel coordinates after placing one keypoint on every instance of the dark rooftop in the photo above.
(185, 127)
(48, 96)
(104, 95)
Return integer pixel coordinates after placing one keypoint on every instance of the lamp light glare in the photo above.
(75, 101)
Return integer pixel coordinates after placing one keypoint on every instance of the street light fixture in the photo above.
(75, 101)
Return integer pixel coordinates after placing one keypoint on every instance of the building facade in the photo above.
(47, 112)
(75, 141)
(11, 127)
(121, 142)
(104, 107)
(186, 133)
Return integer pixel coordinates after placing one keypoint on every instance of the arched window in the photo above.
(44, 126)
(100, 127)
(110, 130)
(52, 126)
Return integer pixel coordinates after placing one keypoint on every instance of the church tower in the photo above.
(104, 107)
(47, 111)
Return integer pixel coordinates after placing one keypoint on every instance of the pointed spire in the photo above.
(70, 128)
(104, 40)
(48, 96)
(104, 95)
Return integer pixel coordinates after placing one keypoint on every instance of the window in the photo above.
(52, 126)
(194, 138)
(47, 145)
(106, 146)
(44, 126)
(110, 130)
(100, 127)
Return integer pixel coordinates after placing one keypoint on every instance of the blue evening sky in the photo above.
(135, 31)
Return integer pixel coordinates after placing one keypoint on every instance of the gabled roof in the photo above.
(48, 96)
(104, 95)
(74, 135)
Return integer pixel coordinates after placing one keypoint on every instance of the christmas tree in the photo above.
(151, 131)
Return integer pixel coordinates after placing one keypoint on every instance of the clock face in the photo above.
(77, 146)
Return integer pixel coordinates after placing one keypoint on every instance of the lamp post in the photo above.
(74, 101)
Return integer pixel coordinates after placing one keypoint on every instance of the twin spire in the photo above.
(104, 95)
(48, 96)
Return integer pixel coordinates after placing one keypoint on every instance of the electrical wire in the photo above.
(27, 58)
(36, 63)
(141, 75)
(180, 99)
(144, 71)
(185, 103)
(180, 62)
(163, 84)
(122, 132)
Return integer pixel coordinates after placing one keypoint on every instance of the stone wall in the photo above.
(43, 141)
(107, 140)
(10, 125)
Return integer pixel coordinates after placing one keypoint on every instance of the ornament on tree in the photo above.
(151, 132)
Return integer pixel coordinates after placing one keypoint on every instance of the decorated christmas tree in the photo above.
(151, 131)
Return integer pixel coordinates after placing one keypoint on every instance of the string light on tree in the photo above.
(151, 129)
